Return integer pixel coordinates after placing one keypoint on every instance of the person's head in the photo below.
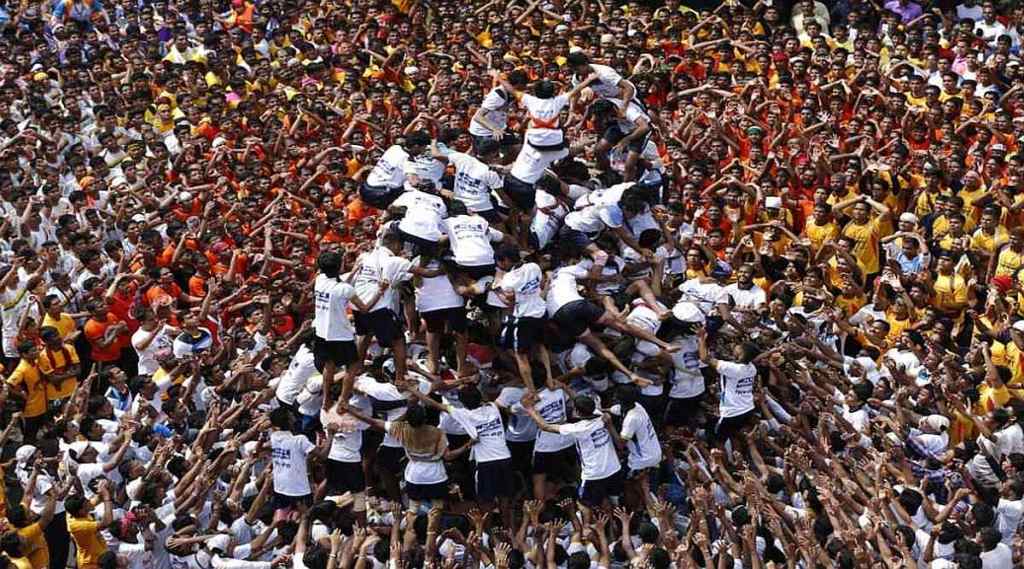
(744, 352)
(417, 142)
(506, 257)
(585, 406)
(282, 419)
(76, 505)
(12, 544)
(579, 62)
(544, 89)
(628, 395)
(470, 397)
(329, 263)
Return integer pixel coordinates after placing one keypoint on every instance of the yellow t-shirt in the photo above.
(819, 234)
(867, 237)
(27, 376)
(56, 360)
(21, 562)
(988, 244)
(1010, 356)
(39, 553)
(1008, 262)
(949, 290)
(86, 533)
(65, 324)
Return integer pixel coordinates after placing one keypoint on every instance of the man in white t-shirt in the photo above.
(737, 381)
(640, 439)
(378, 319)
(521, 287)
(422, 213)
(470, 238)
(746, 296)
(290, 453)
(597, 443)
(333, 336)
(490, 121)
(385, 181)
(474, 178)
(545, 140)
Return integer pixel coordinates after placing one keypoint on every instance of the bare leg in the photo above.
(523, 361)
(540, 487)
(434, 351)
(630, 170)
(545, 359)
(398, 347)
(461, 341)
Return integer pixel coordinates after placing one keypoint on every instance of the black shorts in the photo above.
(557, 465)
(594, 492)
(521, 334)
(729, 426)
(453, 318)
(341, 352)
(683, 412)
(476, 271)
(522, 453)
(422, 246)
(491, 215)
(577, 317)
(422, 492)
(507, 139)
(345, 477)
(523, 195)
(572, 240)
(389, 459)
(613, 134)
(379, 197)
(494, 479)
(382, 324)
(284, 502)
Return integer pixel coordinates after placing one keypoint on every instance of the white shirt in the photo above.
(545, 111)
(495, 109)
(563, 287)
(330, 309)
(525, 281)
(385, 392)
(687, 380)
(1010, 514)
(376, 266)
(707, 295)
(753, 298)
(490, 432)
(470, 238)
(390, 169)
(594, 443)
(520, 427)
(595, 218)
(642, 441)
(300, 369)
(552, 407)
(474, 181)
(423, 214)
(999, 558)
(436, 293)
(607, 84)
(163, 342)
(290, 452)
(547, 218)
(346, 446)
(737, 388)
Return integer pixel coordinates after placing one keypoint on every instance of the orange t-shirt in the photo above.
(196, 285)
(94, 332)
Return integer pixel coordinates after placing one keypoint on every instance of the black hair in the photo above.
(329, 263)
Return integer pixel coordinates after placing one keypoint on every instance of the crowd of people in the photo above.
(524, 284)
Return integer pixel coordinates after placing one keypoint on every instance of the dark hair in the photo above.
(329, 263)
(585, 406)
